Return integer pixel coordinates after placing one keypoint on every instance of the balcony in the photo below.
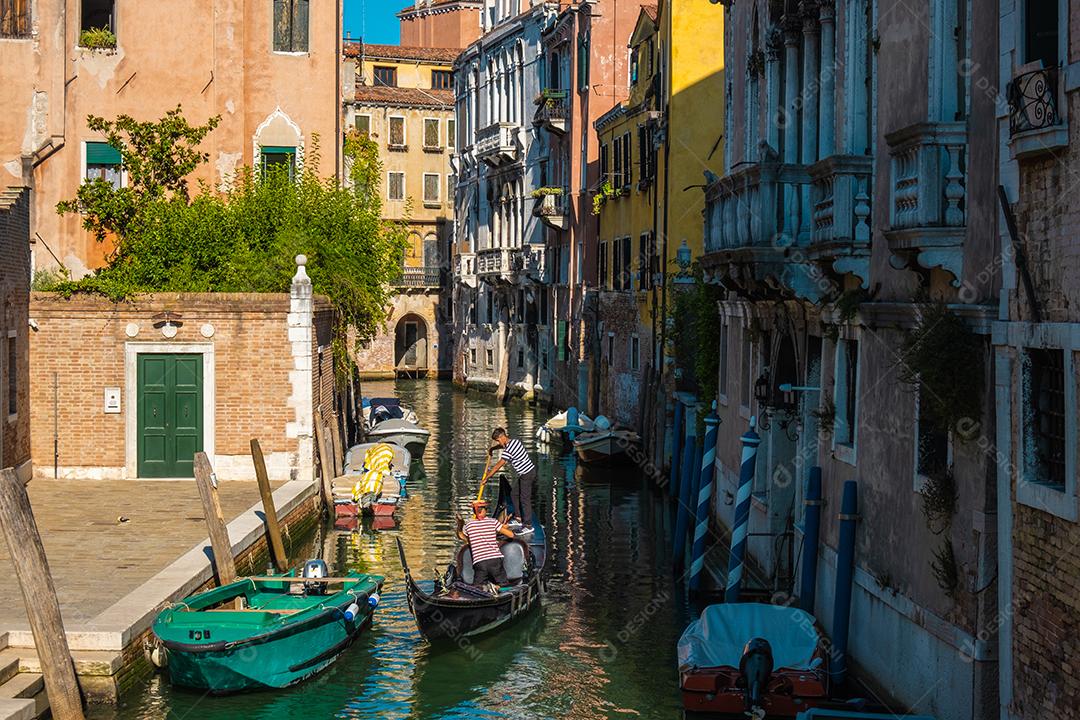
(427, 276)
(465, 269)
(551, 208)
(495, 264)
(497, 143)
(840, 215)
(927, 207)
(553, 108)
(533, 263)
(1035, 123)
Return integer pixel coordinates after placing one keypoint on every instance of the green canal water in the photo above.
(602, 645)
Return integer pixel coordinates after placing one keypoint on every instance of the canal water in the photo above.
(602, 645)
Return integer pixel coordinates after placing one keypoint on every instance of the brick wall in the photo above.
(620, 382)
(14, 294)
(79, 349)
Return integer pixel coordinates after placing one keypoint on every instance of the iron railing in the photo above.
(1032, 98)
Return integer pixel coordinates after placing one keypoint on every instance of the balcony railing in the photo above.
(553, 110)
(840, 200)
(928, 203)
(425, 276)
(551, 209)
(493, 261)
(1032, 98)
(534, 262)
(497, 144)
(755, 206)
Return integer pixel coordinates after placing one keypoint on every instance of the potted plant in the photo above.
(98, 39)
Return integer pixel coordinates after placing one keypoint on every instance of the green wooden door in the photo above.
(170, 422)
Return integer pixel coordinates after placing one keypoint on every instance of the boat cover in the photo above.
(718, 637)
(391, 427)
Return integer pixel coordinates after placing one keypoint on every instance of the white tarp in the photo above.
(718, 637)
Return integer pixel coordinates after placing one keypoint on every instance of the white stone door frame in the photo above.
(132, 350)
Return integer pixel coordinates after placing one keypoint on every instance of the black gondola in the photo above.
(455, 609)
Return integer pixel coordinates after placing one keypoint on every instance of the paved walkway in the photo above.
(96, 560)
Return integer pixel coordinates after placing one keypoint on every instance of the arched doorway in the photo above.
(411, 346)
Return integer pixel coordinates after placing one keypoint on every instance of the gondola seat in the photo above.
(514, 562)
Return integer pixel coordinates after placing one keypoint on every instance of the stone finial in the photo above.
(301, 283)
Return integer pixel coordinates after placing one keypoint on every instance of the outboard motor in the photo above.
(314, 569)
(755, 668)
(380, 413)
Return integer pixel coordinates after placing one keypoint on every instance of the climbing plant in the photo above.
(945, 569)
(696, 328)
(939, 499)
(945, 357)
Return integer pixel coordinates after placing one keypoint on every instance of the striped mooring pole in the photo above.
(811, 531)
(845, 569)
(704, 499)
(676, 450)
(687, 471)
(750, 442)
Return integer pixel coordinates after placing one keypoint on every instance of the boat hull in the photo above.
(790, 692)
(413, 441)
(447, 620)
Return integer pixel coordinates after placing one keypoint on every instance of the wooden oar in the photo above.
(484, 477)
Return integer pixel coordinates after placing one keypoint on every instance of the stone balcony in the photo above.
(497, 144)
(512, 265)
(427, 276)
(927, 203)
(465, 268)
(553, 108)
(551, 210)
(495, 264)
(840, 215)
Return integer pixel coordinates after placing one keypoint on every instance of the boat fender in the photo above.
(373, 599)
(159, 657)
(755, 667)
(352, 611)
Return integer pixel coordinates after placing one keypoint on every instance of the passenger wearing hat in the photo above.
(481, 533)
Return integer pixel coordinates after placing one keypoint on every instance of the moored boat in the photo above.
(754, 659)
(376, 410)
(603, 446)
(555, 427)
(373, 483)
(455, 608)
(401, 432)
(265, 632)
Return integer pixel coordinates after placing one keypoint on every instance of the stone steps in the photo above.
(23, 685)
(22, 688)
(17, 709)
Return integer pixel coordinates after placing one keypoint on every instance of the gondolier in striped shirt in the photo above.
(481, 533)
(518, 457)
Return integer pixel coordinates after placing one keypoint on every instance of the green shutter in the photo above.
(560, 339)
(278, 150)
(282, 26)
(99, 153)
(300, 26)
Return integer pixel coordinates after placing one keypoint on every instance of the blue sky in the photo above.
(374, 20)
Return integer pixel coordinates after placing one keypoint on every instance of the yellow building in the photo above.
(654, 149)
(404, 101)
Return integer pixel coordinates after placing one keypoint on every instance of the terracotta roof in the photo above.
(382, 95)
(427, 4)
(650, 10)
(400, 52)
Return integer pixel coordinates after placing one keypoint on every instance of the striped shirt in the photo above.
(518, 457)
(482, 543)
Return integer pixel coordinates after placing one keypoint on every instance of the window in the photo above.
(604, 162)
(723, 350)
(1041, 32)
(1044, 417)
(395, 187)
(273, 156)
(103, 161)
(96, 14)
(583, 62)
(472, 356)
(602, 281)
(611, 348)
(626, 281)
(616, 264)
(647, 253)
(290, 25)
(431, 134)
(633, 66)
(627, 170)
(931, 440)
(385, 76)
(12, 375)
(490, 357)
(397, 132)
(645, 154)
(442, 80)
(635, 353)
(14, 18)
(616, 171)
(363, 124)
(431, 188)
(450, 183)
(746, 370)
(845, 392)
(521, 358)
(451, 133)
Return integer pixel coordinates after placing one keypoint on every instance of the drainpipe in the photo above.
(845, 568)
(811, 532)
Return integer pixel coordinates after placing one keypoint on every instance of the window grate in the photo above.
(1047, 405)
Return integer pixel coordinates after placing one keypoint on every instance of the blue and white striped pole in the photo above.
(676, 450)
(704, 499)
(687, 469)
(750, 442)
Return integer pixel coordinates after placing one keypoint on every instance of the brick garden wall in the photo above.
(14, 293)
(80, 346)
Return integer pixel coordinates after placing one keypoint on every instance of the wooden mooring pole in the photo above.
(224, 564)
(326, 463)
(273, 530)
(39, 597)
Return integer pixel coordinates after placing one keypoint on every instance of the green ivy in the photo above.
(697, 327)
(97, 39)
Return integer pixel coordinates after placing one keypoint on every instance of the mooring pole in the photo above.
(206, 480)
(704, 499)
(676, 449)
(845, 566)
(325, 469)
(273, 530)
(750, 442)
(687, 470)
(811, 531)
(39, 597)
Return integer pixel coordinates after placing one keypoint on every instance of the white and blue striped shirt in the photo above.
(518, 457)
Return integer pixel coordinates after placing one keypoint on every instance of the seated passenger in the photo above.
(481, 534)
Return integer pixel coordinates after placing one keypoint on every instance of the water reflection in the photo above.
(603, 644)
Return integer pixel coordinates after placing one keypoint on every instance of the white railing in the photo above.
(840, 199)
(497, 139)
(757, 205)
(928, 167)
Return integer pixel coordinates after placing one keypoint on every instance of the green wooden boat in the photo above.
(264, 632)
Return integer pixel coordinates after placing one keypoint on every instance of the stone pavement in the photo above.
(96, 560)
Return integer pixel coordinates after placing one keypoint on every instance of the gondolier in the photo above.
(514, 452)
(481, 533)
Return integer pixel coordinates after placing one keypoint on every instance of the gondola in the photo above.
(455, 609)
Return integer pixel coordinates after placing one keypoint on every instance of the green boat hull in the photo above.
(279, 639)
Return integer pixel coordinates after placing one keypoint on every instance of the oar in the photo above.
(484, 477)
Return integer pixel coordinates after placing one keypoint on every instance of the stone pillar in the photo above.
(827, 106)
(809, 110)
(791, 125)
(301, 377)
(774, 47)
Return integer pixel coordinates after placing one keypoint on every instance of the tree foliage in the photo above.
(697, 326)
(245, 238)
